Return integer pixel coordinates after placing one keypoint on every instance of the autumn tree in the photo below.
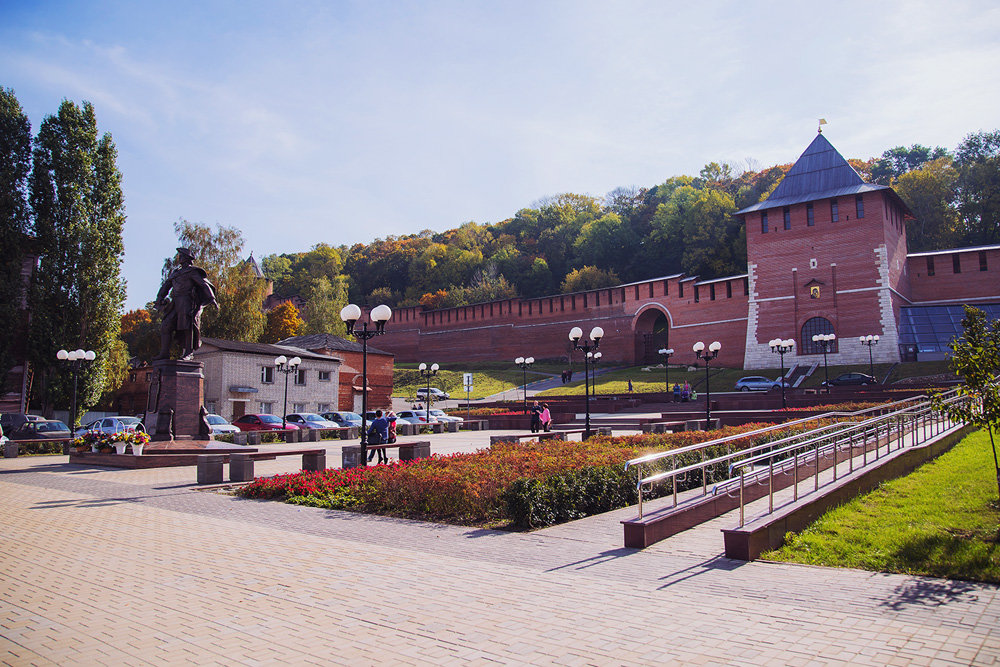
(15, 164)
(588, 278)
(282, 322)
(77, 293)
(238, 289)
(140, 330)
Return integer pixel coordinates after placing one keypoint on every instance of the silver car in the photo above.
(444, 417)
(113, 425)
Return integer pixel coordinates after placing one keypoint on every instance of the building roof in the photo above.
(264, 349)
(325, 341)
(821, 172)
(952, 251)
(254, 266)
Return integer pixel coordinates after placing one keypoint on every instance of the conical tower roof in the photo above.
(821, 172)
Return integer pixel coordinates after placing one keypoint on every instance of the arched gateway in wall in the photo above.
(651, 329)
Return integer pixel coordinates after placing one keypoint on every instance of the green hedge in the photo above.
(533, 503)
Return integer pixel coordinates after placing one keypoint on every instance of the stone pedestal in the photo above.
(181, 388)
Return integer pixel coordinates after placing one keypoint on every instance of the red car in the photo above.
(262, 423)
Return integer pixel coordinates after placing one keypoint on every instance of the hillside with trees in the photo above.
(572, 242)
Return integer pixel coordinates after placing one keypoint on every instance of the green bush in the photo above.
(39, 448)
(533, 503)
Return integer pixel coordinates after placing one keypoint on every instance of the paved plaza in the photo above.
(134, 567)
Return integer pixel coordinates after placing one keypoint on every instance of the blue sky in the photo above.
(342, 122)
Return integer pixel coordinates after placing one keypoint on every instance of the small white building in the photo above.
(241, 378)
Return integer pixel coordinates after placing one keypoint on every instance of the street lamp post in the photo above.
(596, 334)
(783, 347)
(594, 358)
(286, 366)
(666, 354)
(708, 356)
(869, 340)
(826, 340)
(379, 315)
(75, 358)
(428, 373)
(524, 362)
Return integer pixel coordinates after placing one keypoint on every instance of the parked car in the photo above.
(115, 424)
(436, 394)
(311, 420)
(852, 379)
(218, 424)
(416, 417)
(262, 422)
(759, 383)
(11, 421)
(442, 416)
(41, 429)
(343, 418)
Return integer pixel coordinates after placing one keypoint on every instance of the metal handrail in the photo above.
(897, 410)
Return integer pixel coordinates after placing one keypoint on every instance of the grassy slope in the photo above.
(943, 520)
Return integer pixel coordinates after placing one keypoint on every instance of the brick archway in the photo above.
(651, 332)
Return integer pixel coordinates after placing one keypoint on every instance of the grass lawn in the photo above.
(943, 520)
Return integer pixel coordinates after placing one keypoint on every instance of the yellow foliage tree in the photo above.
(282, 322)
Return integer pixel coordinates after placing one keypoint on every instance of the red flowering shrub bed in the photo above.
(474, 488)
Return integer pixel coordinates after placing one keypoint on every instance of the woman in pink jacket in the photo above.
(546, 417)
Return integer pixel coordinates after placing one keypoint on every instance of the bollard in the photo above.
(240, 467)
(314, 461)
(210, 468)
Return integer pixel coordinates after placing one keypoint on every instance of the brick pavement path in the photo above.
(137, 567)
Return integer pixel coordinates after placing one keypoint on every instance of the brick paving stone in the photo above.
(214, 579)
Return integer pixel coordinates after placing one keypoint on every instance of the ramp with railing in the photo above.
(706, 480)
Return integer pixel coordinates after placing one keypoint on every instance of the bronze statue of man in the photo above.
(182, 297)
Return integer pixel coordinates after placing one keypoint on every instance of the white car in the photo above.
(115, 424)
(416, 417)
(218, 424)
(310, 420)
(436, 394)
(442, 416)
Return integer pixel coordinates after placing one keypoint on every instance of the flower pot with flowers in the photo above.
(98, 441)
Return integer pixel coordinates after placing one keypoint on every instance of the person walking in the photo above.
(546, 418)
(686, 392)
(677, 393)
(630, 385)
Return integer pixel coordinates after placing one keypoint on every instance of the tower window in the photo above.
(930, 266)
(956, 263)
(810, 215)
(696, 294)
(711, 292)
(680, 289)
(763, 222)
(982, 260)
(729, 290)
(859, 206)
(787, 213)
(834, 211)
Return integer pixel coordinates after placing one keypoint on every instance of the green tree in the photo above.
(976, 359)
(978, 162)
(15, 164)
(77, 294)
(929, 191)
(140, 330)
(899, 160)
(324, 300)
(238, 289)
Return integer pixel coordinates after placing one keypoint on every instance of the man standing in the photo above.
(182, 297)
(378, 434)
